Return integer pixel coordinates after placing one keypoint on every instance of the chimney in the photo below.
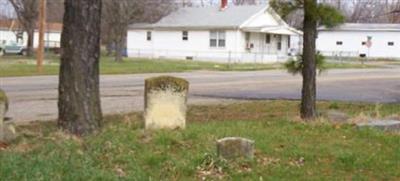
(224, 4)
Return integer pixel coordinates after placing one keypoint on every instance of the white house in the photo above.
(11, 31)
(228, 34)
(353, 40)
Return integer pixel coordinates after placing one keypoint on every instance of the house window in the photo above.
(217, 39)
(213, 38)
(363, 43)
(148, 36)
(268, 38)
(221, 39)
(390, 43)
(339, 43)
(279, 41)
(185, 36)
(288, 42)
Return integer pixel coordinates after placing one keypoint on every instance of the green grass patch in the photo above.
(330, 65)
(22, 66)
(285, 149)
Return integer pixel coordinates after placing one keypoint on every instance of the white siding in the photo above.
(260, 20)
(52, 39)
(352, 43)
(138, 46)
(169, 44)
(7, 36)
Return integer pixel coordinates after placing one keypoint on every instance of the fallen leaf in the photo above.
(3, 146)
(120, 172)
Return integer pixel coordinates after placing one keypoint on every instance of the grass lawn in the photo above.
(22, 66)
(286, 149)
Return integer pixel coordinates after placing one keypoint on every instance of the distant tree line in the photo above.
(358, 11)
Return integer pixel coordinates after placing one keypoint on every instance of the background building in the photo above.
(353, 40)
(251, 33)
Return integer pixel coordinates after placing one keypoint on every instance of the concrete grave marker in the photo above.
(7, 130)
(235, 147)
(337, 116)
(3, 106)
(385, 125)
(165, 102)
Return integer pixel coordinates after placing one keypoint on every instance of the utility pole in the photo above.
(42, 24)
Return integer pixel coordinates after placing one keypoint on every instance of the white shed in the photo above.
(353, 40)
(232, 34)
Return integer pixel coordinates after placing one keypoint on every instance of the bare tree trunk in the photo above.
(120, 40)
(109, 49)
(29, 46)
(119, 48)
(79, 97)
(308, 98)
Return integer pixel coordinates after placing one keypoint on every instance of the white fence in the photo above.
(214, 56)
(340, 54)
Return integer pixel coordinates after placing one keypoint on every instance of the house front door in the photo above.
(266, 45)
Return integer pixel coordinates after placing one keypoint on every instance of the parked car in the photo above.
(13, 48)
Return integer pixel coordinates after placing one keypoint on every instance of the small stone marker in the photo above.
(385, 125)
(3, 106)
(337, 116)
(7, 130)
(235, 147)
(165, 102)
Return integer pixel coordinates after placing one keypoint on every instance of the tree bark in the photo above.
(109, 49)
(119, 48)
(308, 98)
(79, 96)
(29, 46)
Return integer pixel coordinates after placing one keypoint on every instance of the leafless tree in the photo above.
(358, 11)
(27, 13)
(119, 14)
(6, 12)
(393, 10)
(55, 11)
(187, 3)
(371, 11)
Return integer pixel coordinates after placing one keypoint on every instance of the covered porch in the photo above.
(273, 40)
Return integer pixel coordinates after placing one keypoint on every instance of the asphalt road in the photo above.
(35, 98)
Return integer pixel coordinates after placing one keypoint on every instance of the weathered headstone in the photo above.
(385, 125)
(7, 130)
(165, 102)
(3, 106)
(235, 147)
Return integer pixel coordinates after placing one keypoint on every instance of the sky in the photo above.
(6, 9)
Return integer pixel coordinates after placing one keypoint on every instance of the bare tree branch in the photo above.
(118, 14)
(27, 13)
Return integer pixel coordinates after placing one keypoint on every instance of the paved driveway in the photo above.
(35, 98)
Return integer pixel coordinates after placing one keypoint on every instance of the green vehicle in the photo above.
(13, 48)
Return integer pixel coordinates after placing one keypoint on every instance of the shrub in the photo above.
(295, 65)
